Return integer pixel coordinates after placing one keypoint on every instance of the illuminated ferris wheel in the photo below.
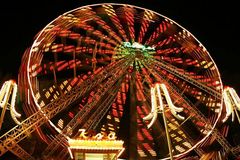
(105, 67)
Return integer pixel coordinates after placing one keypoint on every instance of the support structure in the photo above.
(219, 137)
(90, 124)
(132, 150)
(82, 115)
(18, 133)
(21, 153)
(182, 75)
(167, 133)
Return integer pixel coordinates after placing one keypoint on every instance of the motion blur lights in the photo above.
(119, 44)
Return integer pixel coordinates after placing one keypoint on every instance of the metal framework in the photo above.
(20, 152)
(18, 133)
(78, 119)
(219, 137)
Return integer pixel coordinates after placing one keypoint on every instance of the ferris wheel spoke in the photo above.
(113, 21)
(108, 29)
(101, 91)
(187, 142)
(126, 17)
(76, 64)
(20, 152)
(163, 30)
(97, 20)
(92, 35)
(175, 90)
(149, 138)
(147, 17)
(183, 61)
(62, 67)
(176, 128)
(164, 45)
(182, 75)
(102, 110)
(143, 89)
(201, 117)
(88, 30)
(81, 115)
(53, 108)
(84, 44)
(179, 138)
(94, 56)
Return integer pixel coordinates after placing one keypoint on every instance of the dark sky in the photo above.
(215, 25)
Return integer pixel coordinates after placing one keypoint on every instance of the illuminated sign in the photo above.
(98, 143)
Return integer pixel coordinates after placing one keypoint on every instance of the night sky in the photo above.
(215, 25)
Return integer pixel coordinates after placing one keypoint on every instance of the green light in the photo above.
(135, 49)
(137, 45)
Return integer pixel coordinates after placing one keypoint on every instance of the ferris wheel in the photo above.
(95, 67)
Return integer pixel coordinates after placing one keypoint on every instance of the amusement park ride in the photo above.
(110, 81)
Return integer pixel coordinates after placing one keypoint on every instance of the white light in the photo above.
(9, 91)
(5, 93)
(231, 100)
(137, 45)
(173, 108)
(158, 107)
(228, 105)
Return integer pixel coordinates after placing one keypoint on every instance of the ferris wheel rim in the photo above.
(37, 38)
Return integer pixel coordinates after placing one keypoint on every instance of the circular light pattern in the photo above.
(126, 49)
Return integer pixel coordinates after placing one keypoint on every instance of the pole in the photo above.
(167, 134)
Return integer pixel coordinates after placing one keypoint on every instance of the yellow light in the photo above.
(95, 144)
